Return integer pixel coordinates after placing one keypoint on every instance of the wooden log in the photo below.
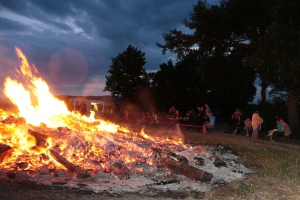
(5, 152)
(41, 140)
(14, 120)
(186, 170)
(119, 168)
(4, 147)
(80, 173)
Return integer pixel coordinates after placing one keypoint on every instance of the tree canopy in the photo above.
(127, 76)
(222, 66)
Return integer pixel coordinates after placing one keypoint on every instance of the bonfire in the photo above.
(46, 143)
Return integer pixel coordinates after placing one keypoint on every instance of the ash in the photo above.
(143, 174)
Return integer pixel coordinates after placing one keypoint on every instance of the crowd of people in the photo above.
(78, 107)
(201, 119)
(253, 125)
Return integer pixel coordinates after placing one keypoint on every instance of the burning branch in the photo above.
(70, 166)
(40, 138)
(5, 152)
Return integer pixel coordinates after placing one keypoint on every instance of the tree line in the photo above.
(228, 47)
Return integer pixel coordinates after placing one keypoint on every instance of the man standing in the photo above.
(256, 123)
(237, 113)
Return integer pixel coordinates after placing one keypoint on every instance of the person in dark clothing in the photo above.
(77, 106)
(71, 105)
(83, 108)
(231, 124)
(200, 117)
(238, 125)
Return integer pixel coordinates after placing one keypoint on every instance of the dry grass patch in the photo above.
(276, 164)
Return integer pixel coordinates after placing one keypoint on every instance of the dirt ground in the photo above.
(26, 190)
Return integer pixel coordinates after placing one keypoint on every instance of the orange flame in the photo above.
(84, 142)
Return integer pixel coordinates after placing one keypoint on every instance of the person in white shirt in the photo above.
(210, 124)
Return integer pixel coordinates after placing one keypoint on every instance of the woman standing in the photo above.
(256, 122)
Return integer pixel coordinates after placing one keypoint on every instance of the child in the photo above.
(248, 126)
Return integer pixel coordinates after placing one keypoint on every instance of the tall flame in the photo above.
(46, 108)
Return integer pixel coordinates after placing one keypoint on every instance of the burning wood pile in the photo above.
(55, 146)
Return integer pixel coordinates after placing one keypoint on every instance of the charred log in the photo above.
(80, 173)
(22, 165)
(3, 148)
(180, 159)
(119, 168)
(186, 170)
(14, 120)
(199, 161)
(5, 152)
(41, 140)
(219, 162)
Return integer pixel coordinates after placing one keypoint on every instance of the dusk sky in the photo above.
(71, 42)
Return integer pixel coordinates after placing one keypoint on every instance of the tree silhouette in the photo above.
(127, 75)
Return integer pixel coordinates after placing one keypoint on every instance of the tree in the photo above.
(127, 75)
(248, 21)
(280, 53)
(163, 85)
(222, 65)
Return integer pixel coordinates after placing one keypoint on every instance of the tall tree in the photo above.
(178, 85)
(249, 20)
(163, 85)
(222, 65)
(280, 53)
(127, 74)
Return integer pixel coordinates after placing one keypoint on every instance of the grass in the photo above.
(277, 166)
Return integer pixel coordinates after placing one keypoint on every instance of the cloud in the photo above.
(98, 30)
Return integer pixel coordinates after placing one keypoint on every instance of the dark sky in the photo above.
(71, 42)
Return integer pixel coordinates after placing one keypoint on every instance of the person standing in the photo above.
(237, 113)
(248, 126)
(77, 106)
(207, 109)
(206, 114)
(83, 109)
(71, 105)
(256, 124)
(238, 125)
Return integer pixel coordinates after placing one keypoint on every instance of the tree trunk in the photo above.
(263, 103)
(292, 103)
